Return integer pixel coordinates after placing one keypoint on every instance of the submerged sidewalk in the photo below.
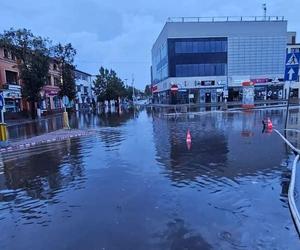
(57, 135)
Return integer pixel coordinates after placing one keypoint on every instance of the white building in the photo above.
(84, 89)
(209, 59)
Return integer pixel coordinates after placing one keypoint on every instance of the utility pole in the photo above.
(132, 84)
(265, 11)
(288, 105)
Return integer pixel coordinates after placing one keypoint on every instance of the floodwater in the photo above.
(136, 184)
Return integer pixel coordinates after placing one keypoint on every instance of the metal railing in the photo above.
(291, 192)
(224, 19)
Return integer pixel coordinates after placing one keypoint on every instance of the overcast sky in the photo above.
(119, 34)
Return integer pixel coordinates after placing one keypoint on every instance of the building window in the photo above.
(213, 45)
(56, 102)
(5, 53)
(188, 70)
(49, 80)
(11, 77)
(85, 90)
(56, 81)
(13, 57)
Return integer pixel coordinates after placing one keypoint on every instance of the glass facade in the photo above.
(160, 64)
(208, 45)
(191, 57)
(213, 69)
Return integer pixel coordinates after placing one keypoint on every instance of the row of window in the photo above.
(9, 55)
(200, 47)
(82, 76)
(186, 70)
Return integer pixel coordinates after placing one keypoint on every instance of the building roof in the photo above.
(82, 72)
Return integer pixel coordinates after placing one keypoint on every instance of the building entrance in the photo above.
(207, 97)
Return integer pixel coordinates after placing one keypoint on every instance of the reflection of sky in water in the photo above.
(136, 185)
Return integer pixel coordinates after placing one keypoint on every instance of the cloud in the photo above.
(119, 34)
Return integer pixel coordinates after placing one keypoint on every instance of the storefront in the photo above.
(235, 94)
(51, 100)
(211, 95)
(12, 98)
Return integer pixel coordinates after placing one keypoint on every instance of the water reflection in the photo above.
(136, 185)
(178, 236)
(31, 178)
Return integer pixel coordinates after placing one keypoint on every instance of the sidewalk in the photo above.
(15, 122)
(57, 135)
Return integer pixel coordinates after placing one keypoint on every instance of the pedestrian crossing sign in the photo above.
(292, 60)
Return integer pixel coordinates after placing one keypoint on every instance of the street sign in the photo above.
(292, 67)
(1, 101)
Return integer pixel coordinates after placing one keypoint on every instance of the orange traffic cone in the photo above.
(188, 136)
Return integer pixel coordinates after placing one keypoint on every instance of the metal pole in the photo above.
(2, 116)
(287, 106)
(189, 101)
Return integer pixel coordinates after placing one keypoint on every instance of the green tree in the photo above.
(108, 86)
(33, 54)
(64, 55)
(147, 91)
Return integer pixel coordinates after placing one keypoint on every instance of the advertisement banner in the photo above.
(248, 95)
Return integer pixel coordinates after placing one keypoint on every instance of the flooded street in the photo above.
(138, 185)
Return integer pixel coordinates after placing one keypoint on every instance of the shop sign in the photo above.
(261, 80)
(51, 90)
(174, 87)
(154, 88)
(207, 83)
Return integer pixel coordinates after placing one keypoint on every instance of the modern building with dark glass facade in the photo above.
(207, 60)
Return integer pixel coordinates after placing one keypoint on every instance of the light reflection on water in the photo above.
(136, 185)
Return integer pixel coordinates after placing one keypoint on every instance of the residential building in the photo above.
(206, 60)
(11, 85)
(49, 93)
(9, 81)
(84, 89)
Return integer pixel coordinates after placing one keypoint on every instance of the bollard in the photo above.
(66, 120)
(3, 129)
(3, 132)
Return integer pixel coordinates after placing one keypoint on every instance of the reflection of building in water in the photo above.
(208, 150)
(294, 123)
(218, 148)
(41, 177)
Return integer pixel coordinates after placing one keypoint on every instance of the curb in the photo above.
(27, 145)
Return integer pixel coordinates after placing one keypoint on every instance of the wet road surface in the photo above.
(138, 185)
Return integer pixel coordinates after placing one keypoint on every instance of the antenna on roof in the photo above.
(265, 10)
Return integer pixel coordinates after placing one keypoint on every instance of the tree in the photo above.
(33, 54)
(147, 91)
(108, 86)
(129, 92)
(64, 55)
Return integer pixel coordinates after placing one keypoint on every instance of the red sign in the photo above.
(262, 80)
(174, 87)
(249, 83)
(154, 88)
